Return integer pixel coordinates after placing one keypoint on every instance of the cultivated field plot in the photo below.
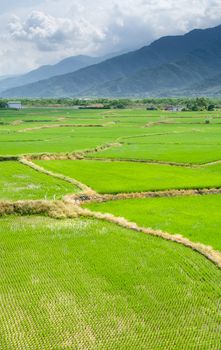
(117, 177)
(19, 182)
(171, 143)
(100, 263)
(195, 217)
(93, 285)
(61, 139)
(38, 131)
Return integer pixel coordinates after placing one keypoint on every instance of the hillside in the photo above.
(192, 73)
(208, 87)
(70, 64)
(175, 63)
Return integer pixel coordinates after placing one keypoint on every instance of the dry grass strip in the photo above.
(54, 126)
(99, 198)
(185, 123)
(54, 209)
(171, 122)
(149, 161)
(159, 122)
(210, 163)
(86, 190)
(123, 139)
(70, 156)
(146, 161)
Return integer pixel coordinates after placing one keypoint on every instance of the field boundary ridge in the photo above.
(99, 198)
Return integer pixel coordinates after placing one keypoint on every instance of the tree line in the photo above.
(185, 104)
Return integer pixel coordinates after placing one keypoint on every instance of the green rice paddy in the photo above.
(116, 177)
(87, 284)
(195, 217)
(170, 143)
(18, 182)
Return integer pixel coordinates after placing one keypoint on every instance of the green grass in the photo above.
(196, 120)
(52, 140)
(115, 177)
(18, 182)
(59, 140)
(86, 284)
(197, 217)
(170, 143)
(42, 114)
(189, 154)
(181, 135)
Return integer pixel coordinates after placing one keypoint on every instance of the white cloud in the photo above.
(51, 34)
(46, 31)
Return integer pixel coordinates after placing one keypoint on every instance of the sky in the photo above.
(37, 32)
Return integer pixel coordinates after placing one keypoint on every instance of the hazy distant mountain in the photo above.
(70, 64)
(169, 66)
(3, 77)
(208, 87)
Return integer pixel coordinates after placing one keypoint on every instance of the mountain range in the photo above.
(68, 65)
(187, 65)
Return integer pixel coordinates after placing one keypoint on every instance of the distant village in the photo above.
(164, 104)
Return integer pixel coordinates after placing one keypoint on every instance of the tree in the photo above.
(3, 104)
(211, 107)
(202, 103)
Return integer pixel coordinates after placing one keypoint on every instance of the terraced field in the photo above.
(110, 229)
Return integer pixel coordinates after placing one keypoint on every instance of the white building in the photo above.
(14, 104)
(173, 108)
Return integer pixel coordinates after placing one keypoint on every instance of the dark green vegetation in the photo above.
(195, 217)
(86, 284)
(185, 103)
(83, 283)
(187, 65)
